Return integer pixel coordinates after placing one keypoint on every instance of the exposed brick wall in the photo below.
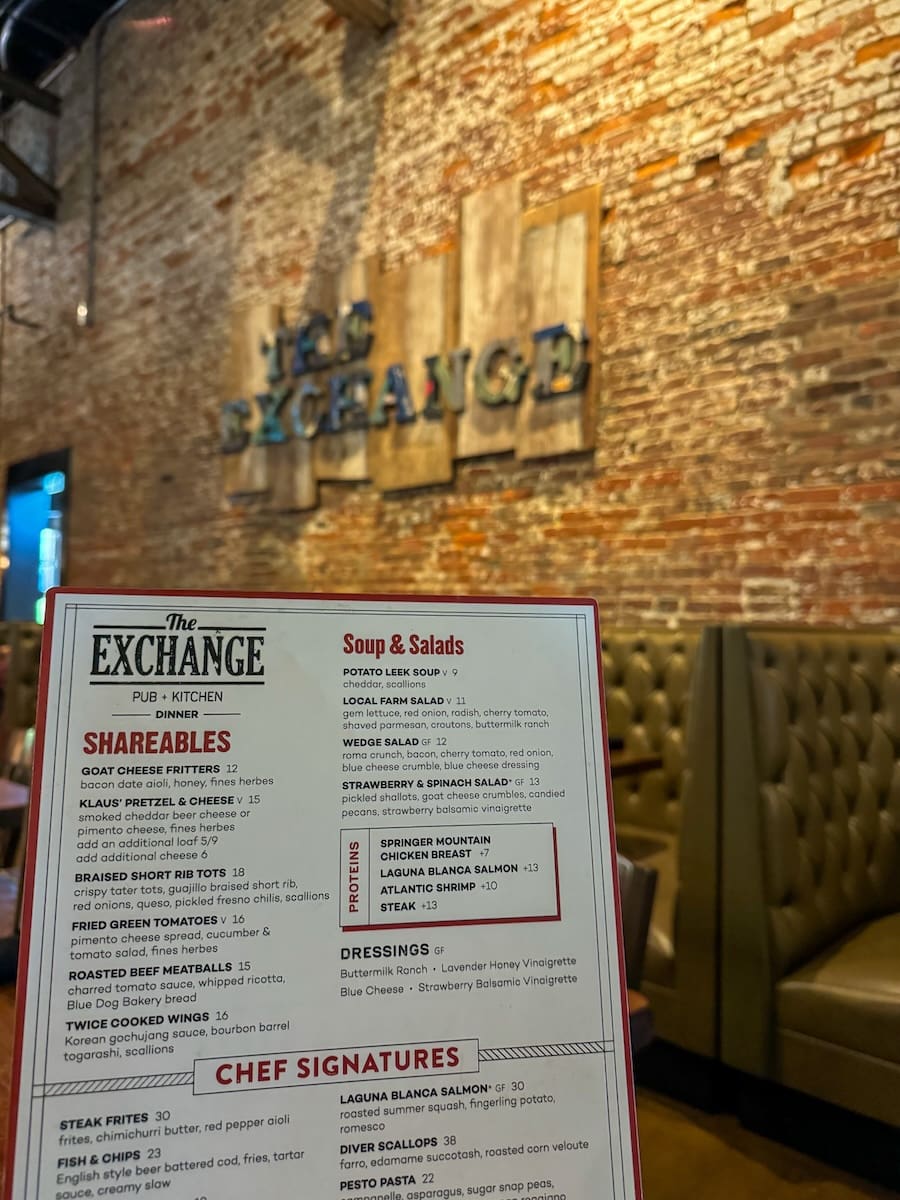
(749, 334)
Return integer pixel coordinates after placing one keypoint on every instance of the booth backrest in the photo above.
(647, 679)
(662, 692)
(812, 789)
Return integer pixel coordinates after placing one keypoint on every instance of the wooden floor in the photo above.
(686, 1155)
(7, 1026)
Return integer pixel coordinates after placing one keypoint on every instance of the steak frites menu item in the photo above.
(321, 902)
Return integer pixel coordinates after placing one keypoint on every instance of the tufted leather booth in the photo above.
(661, 690)
(811, 863)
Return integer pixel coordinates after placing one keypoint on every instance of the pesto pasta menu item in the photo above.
(320, 902)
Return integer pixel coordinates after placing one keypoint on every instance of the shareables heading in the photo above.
(179, 649)
(156, 741)
(400, 643)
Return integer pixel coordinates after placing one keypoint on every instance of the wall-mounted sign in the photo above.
(472, 352)
(320, 902)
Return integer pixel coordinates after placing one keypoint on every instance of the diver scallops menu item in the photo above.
(320, 901)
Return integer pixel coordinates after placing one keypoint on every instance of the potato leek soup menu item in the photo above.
(321, 903)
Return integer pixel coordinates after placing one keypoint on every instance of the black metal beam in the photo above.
(377, 14)
(27, 210)
(22, 89)
(31, 185)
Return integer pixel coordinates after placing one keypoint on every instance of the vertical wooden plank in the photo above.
(247, 472)
(558, 285)
(355, 280)
(292, 476)
(425, 319)
(415, 303)
(389, 347)
(344, 456)
(489, 267)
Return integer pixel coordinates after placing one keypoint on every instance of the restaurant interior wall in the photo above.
(748, 332)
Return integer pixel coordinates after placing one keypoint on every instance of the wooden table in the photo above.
(623, 763)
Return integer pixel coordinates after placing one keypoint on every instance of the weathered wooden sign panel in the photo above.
(343, 455)
(247, 468)
(417, 446)
(559, 267)
(488, 319)
(393, 376)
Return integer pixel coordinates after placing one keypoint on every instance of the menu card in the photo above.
(321, 901)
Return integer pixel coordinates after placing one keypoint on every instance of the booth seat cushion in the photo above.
(652, 848)
(850, 994)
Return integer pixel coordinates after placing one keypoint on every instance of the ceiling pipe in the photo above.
(9, 25)
(12, 15)
(85, 311)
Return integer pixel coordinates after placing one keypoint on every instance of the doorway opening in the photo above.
(32, 538)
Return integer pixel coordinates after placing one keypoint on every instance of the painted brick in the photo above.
(727, 13)
(772, 24)
(881, 48)
(743, 464)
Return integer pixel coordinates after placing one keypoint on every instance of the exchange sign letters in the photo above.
(477, 351)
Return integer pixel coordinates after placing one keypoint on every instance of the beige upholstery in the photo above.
(811, 863)
(660, 692)
(637, 886)
(845, 995)
(658, 851)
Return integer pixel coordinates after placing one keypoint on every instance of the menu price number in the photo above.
(253, 801)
